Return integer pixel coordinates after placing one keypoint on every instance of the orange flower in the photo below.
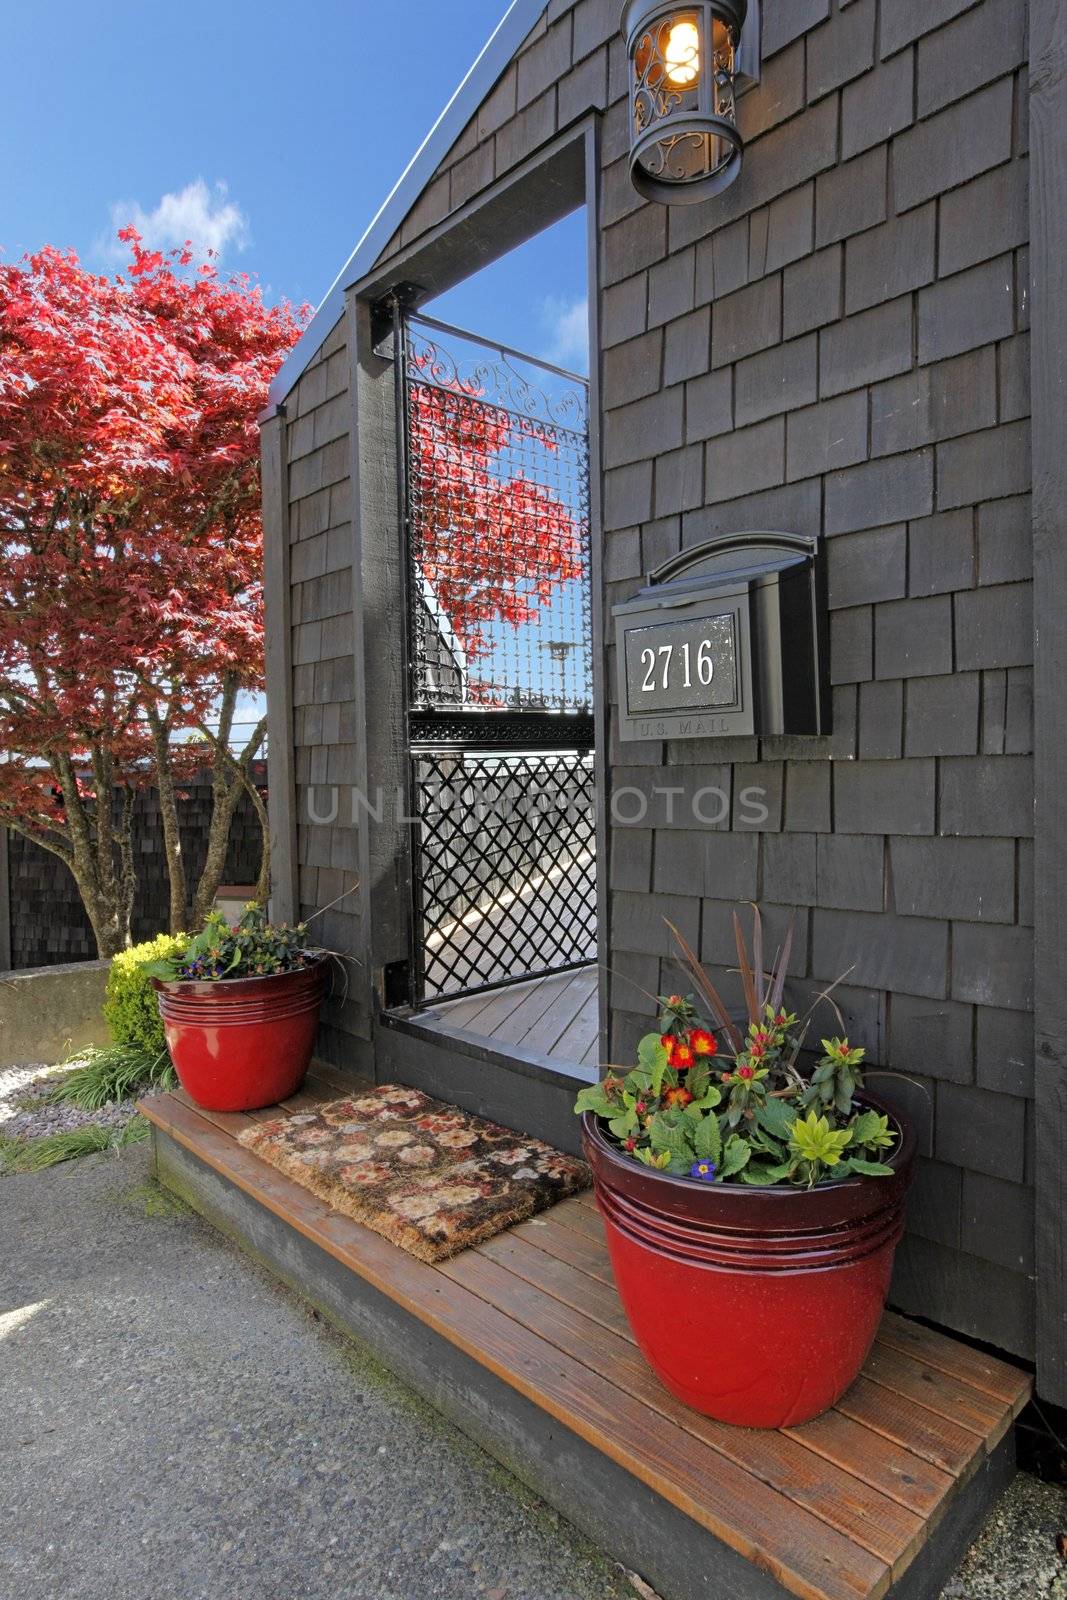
(703, 1043)
(682, 1056)
(668, 1041)
(678, 1097)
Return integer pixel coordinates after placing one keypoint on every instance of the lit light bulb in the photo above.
(682, 55)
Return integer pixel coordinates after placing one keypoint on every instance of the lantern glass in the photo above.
(684, 141)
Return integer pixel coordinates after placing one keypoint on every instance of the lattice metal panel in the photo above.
(506, 866)
(497, 462)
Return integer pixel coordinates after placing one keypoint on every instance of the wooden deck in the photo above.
(554, 1017)
(522, 1342)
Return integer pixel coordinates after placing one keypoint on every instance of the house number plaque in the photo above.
(681, 666)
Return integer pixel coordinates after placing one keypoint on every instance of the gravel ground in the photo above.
(26, 1113)
(1016, 1558)
(176, 1426)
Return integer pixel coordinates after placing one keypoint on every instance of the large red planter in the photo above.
(755, 1305)
(241, 1043)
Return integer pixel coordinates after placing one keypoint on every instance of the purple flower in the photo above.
(705, 1170)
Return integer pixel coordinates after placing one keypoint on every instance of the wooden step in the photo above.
(523, 1343)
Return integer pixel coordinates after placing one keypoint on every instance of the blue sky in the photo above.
(270, 131)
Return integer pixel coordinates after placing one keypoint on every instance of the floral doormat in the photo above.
(429, 1177)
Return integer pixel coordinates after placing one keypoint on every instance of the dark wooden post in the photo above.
(1048, 384)
(380, 601)
(285, 898)
(5, 902)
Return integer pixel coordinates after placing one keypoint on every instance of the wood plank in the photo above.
(881, 1462)
(463, 1012)
(944, 1443)
(548, 1031)
(502, 1004)
(817, 1563)
(937, 1391)
(583, 1032)
(567, 1245)
(596, 1300)
(583, 1219)
(1009, 1384)
(515, 1027)
(230, 1122)
(868, 1518)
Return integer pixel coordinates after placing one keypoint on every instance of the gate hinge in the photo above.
(382, 313)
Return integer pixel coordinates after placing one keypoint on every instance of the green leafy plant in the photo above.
(131, 1009)
(34, 1155)
(748, 1113)
(254, 948)
(114, 1072)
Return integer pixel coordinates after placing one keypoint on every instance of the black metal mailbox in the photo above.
(727, 638)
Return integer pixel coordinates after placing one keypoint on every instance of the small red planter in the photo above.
(754, 1305)
(241, 1043)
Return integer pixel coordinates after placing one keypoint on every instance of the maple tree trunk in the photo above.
(168, 813)
(230, 778)
(100, 860)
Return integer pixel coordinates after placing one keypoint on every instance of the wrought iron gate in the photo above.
(495, 488)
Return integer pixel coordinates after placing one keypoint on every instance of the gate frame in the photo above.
(544, 189)
(401, 314)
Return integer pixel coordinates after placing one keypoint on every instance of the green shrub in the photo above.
(130, 1007)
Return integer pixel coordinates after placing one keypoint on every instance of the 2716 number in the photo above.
(657, 664)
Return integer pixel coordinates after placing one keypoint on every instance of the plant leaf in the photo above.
(718, 1010)
(777, 989)
(707, 1140)
(757, 1172)
(735, 1156)
(777, 1116)
(757, 960)
(594, 1099)
(745, 970)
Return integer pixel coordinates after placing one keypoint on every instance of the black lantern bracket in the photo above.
(728, 638)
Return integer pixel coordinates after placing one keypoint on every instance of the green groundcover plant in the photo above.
(112, 1073)
(742, 1110)
(35, 1155)
(254, 948)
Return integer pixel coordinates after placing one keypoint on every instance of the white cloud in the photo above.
(207, 217)
(567, 325)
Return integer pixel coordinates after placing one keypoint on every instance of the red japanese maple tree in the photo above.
(493, 545)
(130, 554)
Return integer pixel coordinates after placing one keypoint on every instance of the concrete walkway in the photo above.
(176, 1426)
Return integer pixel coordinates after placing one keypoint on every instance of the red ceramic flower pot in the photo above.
(754, 1305)
(241, 1043)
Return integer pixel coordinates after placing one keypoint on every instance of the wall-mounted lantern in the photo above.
(684, 143)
